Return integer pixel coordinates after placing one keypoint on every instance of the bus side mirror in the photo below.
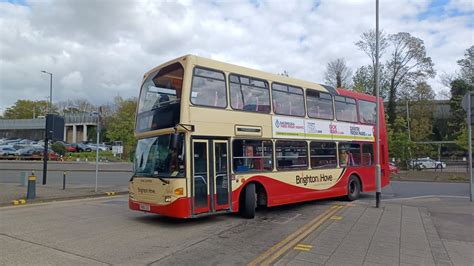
(174, 140)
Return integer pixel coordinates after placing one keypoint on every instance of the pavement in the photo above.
(423, 231)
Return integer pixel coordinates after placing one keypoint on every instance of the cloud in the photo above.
(100, 49)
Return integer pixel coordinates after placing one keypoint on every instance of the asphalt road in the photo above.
(105, 231)
(400, 189)
(82, 173)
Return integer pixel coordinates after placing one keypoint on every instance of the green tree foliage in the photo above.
(461, 139)
(120, 125)
(421, 104)
(26, 109)
(459, 88)
(363, 81)
(58, 148)
(399, 144)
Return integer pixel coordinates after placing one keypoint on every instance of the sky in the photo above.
(100, 49)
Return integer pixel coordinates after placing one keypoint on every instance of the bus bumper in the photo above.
(180, 208)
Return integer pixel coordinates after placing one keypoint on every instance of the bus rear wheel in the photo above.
(353, 188)
(248, 202)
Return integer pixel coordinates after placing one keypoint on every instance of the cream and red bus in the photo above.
(217, 138)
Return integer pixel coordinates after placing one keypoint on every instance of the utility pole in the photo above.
(378, 191)
(408, 121)
(467, 105)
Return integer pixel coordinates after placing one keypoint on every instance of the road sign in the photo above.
(117, 149)
(468, 101)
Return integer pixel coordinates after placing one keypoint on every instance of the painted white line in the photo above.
(428, 196)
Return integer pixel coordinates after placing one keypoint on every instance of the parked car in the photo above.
(393, 168)
(83, 147)
(27, 151)
(71, 147)
(427, 163)
(101, 147)
(7, 150)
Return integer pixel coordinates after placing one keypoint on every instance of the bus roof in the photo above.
(231, 68)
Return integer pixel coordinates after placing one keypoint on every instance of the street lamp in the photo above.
(378, 187)
(50, 90)
(97, 114)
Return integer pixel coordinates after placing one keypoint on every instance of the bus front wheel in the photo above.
(248, 201)
(353, 188)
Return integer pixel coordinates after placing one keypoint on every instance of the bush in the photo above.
(58, 148)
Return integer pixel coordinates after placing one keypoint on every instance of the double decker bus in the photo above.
(217, 138)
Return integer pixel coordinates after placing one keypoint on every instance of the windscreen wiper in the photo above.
(162, 179)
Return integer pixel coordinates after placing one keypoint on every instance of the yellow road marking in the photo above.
(302, 249)
(336, 217)
(290, 241)
(304, 246)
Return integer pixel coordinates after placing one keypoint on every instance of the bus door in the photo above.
(210, 176)
(221, 175)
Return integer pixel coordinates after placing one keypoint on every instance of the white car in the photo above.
(426, 163)
(7, 150)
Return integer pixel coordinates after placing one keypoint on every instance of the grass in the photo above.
(90, 156)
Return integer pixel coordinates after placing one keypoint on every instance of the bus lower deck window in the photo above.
(252, 155)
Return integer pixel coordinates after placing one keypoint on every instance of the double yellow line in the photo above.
(271, 255)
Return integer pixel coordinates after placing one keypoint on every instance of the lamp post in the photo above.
(97, 114)
(46, 133)
(50, 89)
(378, 188)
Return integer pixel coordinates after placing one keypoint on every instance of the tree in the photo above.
(461, 139)
(284, 73)
(459, 88)
(76, 106)
(27, 109)
(363, 81)
(421, 117)
(120, 125)
(399, 144)
(367, 44)
(338, 74)
(407, 64)
(466, 72)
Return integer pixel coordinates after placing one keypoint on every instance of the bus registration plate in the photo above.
(145, 207)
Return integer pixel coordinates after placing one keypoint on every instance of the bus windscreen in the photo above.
(160, 97)
(156, 157)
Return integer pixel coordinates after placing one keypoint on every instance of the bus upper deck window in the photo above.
(249, 94)
(319, 104)
(208, 88)
(288, 100)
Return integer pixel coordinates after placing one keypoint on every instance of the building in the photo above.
(75, 129)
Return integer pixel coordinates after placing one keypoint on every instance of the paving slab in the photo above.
(396, 234)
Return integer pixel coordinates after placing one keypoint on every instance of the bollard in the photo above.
(64, 180)
(23, 179)
(31, 193)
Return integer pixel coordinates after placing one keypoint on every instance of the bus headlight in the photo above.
(167, 198)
